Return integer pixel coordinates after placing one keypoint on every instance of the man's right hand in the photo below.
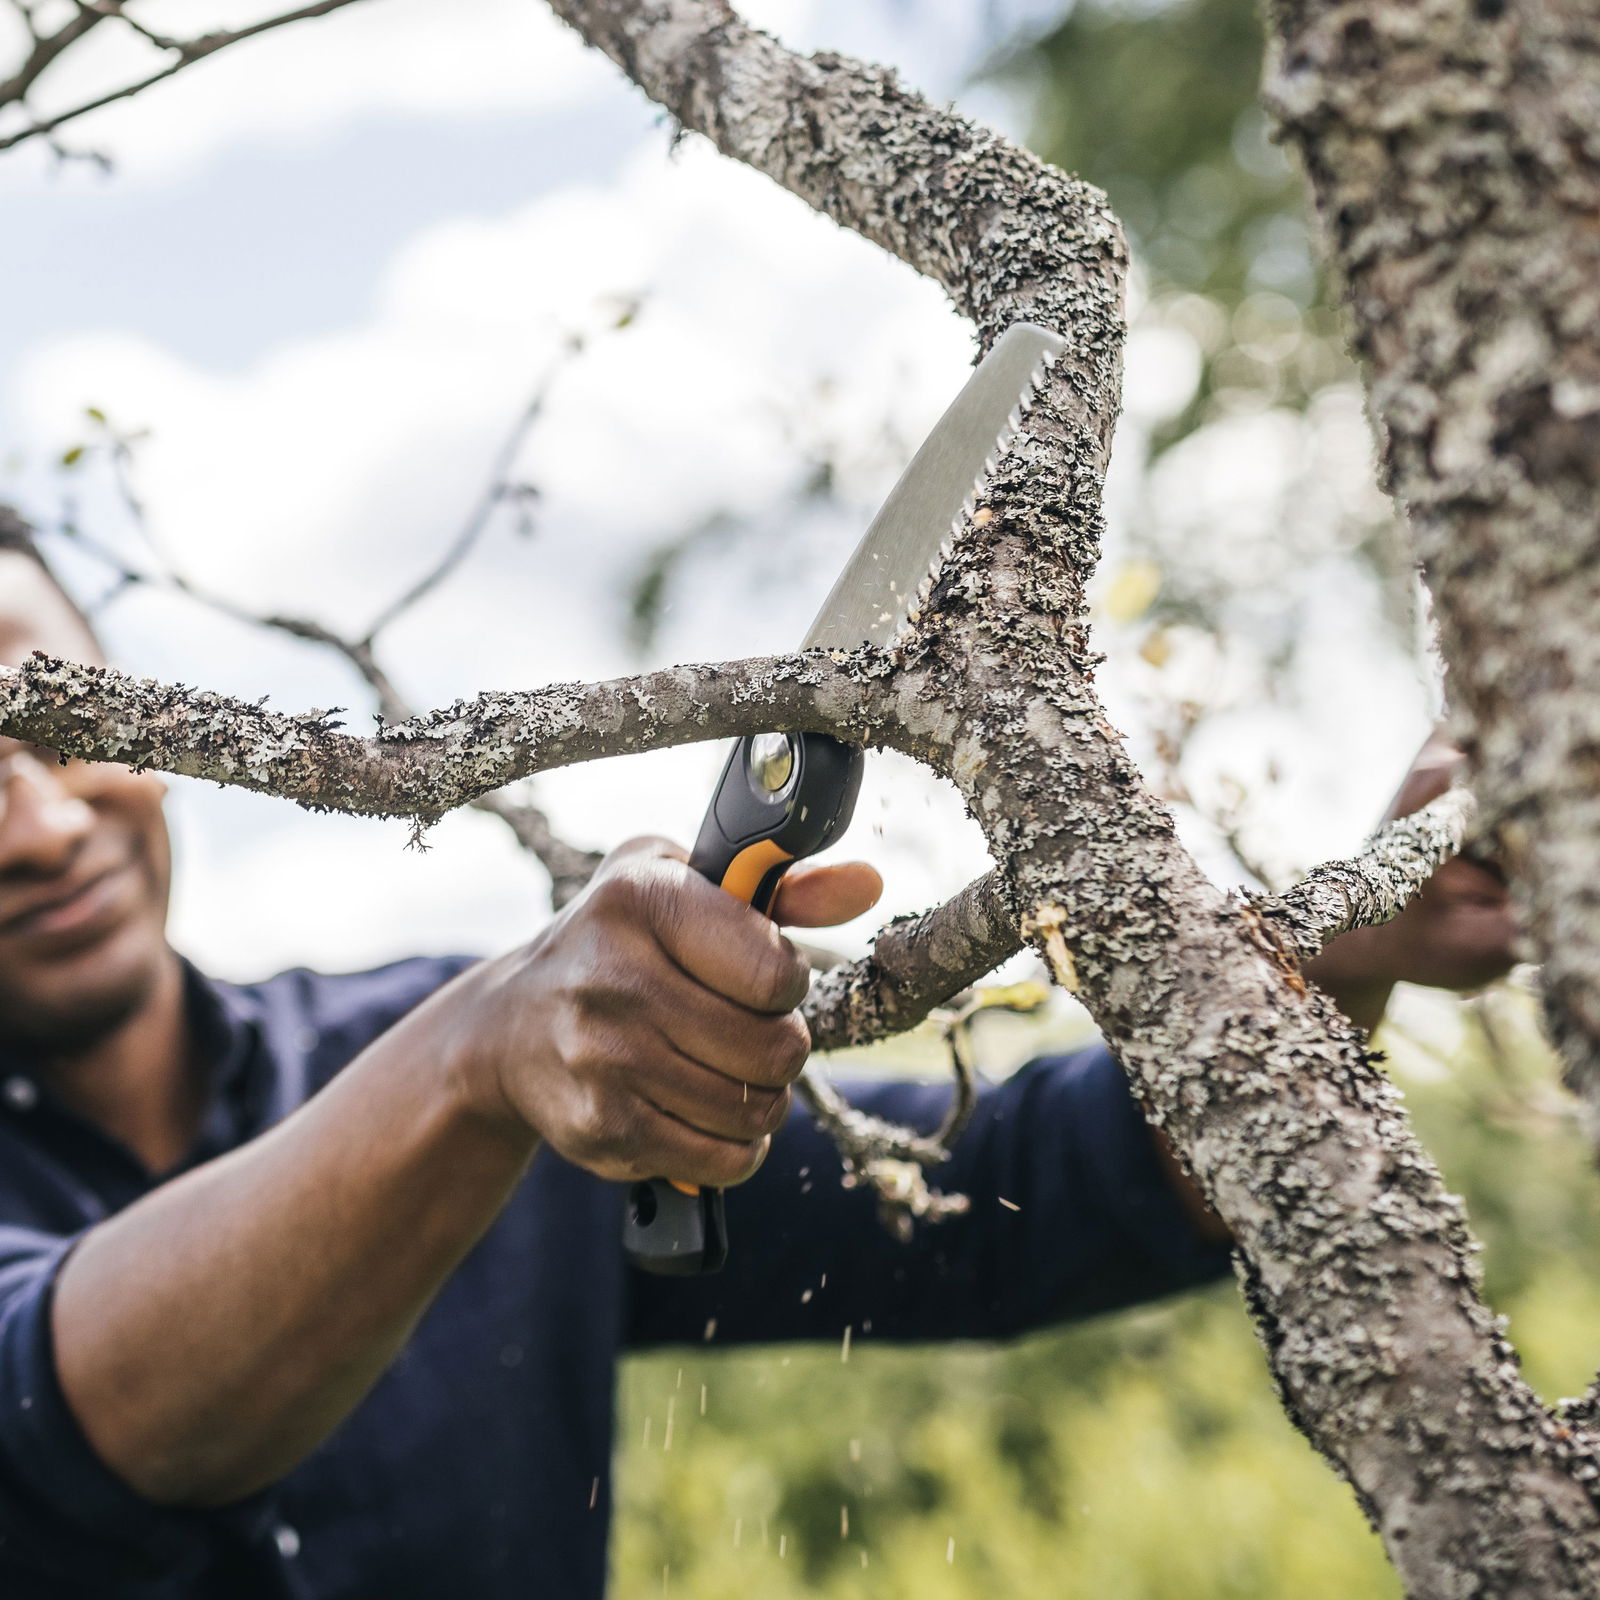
(651, 1029)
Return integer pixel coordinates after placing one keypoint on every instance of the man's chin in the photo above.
(68, 1011)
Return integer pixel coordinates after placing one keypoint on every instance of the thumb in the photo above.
(819, 897)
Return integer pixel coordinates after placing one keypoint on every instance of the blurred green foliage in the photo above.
(1157, 104)
(1142, 1456)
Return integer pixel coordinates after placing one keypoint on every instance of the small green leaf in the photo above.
(70, 458)
(94, 413)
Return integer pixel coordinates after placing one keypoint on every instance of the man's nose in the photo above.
(42, 822)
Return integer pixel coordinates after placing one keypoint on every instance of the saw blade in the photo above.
(906, 540)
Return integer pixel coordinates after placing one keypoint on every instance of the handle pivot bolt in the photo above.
(771, 761)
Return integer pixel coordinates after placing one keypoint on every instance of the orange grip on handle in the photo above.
(748, 870)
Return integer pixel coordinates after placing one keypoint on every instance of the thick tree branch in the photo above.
(1301, 1146)
(1371, 888)
(1454, 158)
(1008, 237)
(431, 764)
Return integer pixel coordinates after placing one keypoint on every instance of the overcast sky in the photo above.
(326, 273)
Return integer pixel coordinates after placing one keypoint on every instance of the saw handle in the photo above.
(781, 797)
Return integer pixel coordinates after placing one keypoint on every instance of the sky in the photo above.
(323, 278)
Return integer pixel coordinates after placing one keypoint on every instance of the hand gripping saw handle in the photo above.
(781, 797)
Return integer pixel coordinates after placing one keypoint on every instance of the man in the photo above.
(313, 1288)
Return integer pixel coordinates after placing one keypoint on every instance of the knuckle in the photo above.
(741, 1162)
(796, 1041)
(616, 893)
(782, 1050)
(607, 994)
(783, 976)
(774, 1111)
(609, 1126)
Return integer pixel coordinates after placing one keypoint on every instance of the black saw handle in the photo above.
(781, 797)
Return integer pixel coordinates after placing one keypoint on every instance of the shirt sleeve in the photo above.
(1071, 1214)
(69, 1527)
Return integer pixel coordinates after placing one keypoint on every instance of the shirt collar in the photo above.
(226, 1030)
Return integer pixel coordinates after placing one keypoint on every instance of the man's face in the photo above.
(84, 858)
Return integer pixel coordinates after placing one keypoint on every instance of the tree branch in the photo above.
(1343, 1223)
(1371, 888)
(917, 963)
(499, 488)
(1007, 236)
(569, 868)
(1450, 150)
(46, 49)
(431, 764)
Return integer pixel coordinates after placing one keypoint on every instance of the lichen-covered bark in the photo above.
(431, 764)
(916, 963)
(1371, 888)
(1007, 236)
(1358, 1266)
(1453, 148)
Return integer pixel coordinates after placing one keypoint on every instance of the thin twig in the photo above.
(186, 51)
(46, 50)
(499, 488)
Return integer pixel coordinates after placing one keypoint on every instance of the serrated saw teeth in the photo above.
(886, 583)
(969, 506)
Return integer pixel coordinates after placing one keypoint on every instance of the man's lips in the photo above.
(65, 908)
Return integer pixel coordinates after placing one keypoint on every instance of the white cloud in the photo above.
(337, 465)
(379, 58)
(325, 476)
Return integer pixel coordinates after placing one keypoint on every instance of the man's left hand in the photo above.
(1457, 933)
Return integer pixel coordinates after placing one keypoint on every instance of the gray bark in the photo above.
(430, 764)
(916, 964)
(1357, 1264)
(1371, 888)
(1453, 150)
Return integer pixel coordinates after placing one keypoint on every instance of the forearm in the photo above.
(210, 1336)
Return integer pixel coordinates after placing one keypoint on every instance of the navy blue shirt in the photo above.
(479, 1466)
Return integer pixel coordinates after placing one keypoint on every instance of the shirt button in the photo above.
(21, 1094)
(287, 1541)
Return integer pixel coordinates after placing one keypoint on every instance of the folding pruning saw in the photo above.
(784, 796)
